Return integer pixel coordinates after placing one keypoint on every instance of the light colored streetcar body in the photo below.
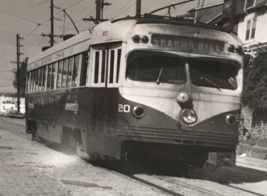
(161, 88)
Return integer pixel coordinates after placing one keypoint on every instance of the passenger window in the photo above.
(111, 68)
(64, 73)
(70, 71)
(106, 63)
(118, 65)
(49, 77)
(33, 81)
(96, 66)
(75, 70)
(28, 81)
(100, 67)
(39, 80)
(59, 75)
(114, 67)
(43, 73)
(53, 79)
(103, 66)
(84, 69)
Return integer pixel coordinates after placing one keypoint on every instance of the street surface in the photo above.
(30, 168)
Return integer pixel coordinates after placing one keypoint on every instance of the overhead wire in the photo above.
(18, 16)
(30, 6)
(119, 11)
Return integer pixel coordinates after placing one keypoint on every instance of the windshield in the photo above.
(156, 67)
(211, 73)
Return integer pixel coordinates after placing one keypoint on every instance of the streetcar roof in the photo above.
(81, 41)
(121, 30)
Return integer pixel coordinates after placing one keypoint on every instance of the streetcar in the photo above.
(141, 87)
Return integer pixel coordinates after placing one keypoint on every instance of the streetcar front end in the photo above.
(181, 93)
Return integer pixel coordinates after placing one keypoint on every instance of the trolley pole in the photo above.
(138, 8)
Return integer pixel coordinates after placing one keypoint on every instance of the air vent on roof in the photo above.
(68, 36)
(45, 48)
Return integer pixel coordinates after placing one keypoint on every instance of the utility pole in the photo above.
(18, 72)
(51, 35)
(52, 24)
(100, 4)
(138, 8)
(232, 15)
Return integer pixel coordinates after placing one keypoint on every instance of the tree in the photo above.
(22, 74)
(255, 87)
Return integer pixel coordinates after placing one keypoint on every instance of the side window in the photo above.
(28, 81)
(111, 66)
(54, 75)
(75, 70)
(118, 65)
(38, 79)
(49, 77)
(33, 81)
(106, 65)
(96, 66)
(99, 67)
(59, 74)
(84, 69)
(70, 72)
(64, 73)
(43, 73)
(114, 67)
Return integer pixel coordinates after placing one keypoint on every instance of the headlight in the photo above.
(231, 119)
(138, 112)
(189, 116)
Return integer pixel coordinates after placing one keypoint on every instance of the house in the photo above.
(249, 20)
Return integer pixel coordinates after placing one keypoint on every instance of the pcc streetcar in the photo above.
(141, 87)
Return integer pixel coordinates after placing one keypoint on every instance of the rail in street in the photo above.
(31, 168)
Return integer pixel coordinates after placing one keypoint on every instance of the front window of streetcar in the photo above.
(214, 74)
(156, 67)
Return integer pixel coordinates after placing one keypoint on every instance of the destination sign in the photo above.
(187, 43)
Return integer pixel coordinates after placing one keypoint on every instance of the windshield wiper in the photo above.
(207, 80)
(160, 72)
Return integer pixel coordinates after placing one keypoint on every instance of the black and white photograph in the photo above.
(133, 98)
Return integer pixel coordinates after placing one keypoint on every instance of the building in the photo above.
(10, 103)
(247, 18)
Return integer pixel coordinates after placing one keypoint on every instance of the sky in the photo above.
(30, 18)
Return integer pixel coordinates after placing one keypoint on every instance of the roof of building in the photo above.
(214, 13)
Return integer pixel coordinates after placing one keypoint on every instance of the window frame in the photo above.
(246, 4)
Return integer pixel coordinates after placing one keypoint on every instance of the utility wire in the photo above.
(19, 16)
(119, 11)
(7, 52)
